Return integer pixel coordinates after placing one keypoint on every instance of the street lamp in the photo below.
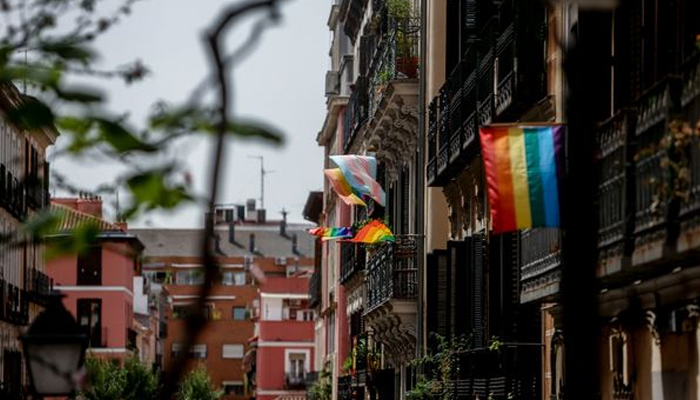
(54, 349)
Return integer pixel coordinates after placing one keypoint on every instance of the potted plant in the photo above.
(406, 61)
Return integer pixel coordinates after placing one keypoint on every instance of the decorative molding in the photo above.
(650, 319)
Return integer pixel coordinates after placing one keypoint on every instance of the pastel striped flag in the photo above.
(361, 174)
(374, 232)
(342, 187)
(523, 167)
(331, 233)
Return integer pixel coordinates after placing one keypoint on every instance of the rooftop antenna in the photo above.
(263, 172)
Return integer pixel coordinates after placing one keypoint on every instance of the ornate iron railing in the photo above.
(315, 289)
(356, 112)
(392, 272)
(352, 260)
(616, 200)
(541, 262)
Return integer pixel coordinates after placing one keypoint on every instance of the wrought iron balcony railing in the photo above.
(356, 112)
(541, 261)
(615, 185)
(345, 387)
(12, 193)
(295, 381)
(652, 180)
(520, 77)
(690, 101)
(432, 141)
(315, 289)
(38, 286)
(392, 272)
(352, 260)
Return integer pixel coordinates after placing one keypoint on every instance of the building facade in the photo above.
(484, 62)
(24, 284)
(248, 249)
(98, 283)
(284, 337)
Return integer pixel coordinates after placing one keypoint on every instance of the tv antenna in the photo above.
(263, 172)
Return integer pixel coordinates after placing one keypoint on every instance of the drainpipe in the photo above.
(420, 181)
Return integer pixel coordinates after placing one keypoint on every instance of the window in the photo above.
(296, 364)
(190, 277)
(239, 314)
(232, 351)
(90, 267)
(175, 349)
(90, 320)
(233, 388)
(184, 311)
(239, 278)
(308, 315)
(199, 351)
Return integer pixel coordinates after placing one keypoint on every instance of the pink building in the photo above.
(285, 338)
(98, 284)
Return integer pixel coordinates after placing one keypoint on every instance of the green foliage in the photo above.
(107, 380)
(322, 389)
(443, 366)
(399, 9)
(197, 386)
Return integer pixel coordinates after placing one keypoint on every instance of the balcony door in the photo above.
(90, 267)
(90, 320)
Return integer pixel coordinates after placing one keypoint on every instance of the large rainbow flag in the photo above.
(332, 233)
(361, 174)
(523, 167)
(342, 187)
(374, 232)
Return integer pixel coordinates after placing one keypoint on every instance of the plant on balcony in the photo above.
(442, 366)
(197, 385)
(401, 11)
(322, 389)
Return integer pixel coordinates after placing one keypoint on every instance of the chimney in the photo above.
(86, 203)
(232, 233)
(251, 243)
(251, 215)
(261, 216)
(295, 250)
(283, 223)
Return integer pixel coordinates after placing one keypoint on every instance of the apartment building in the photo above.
(284, 338)
(98, 284)
(249, 249)
(24, 173)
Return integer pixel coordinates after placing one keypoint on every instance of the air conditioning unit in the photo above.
(332, 83)
(280, 261)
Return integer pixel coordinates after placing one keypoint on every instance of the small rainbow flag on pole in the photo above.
(523, 167)
(374, 232)
(331, 233)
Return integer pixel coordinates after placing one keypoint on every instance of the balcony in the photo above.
(615, 191)
(653, 207)
(356, 112)
(15, 304)
(352, 262)
(541, 264)
(392, 127)
(520, 76)
(315, 289)
(38, 286)
(345, 387)
(294, 381)
(690, 207)
(392, 289)
(36, 195)
(12, 193)
(512, 372)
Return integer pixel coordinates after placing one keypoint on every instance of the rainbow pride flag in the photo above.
(374, 232)
(331, 233)
(342, 187)
(523, 167)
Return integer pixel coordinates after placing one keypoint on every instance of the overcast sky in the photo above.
(282, 83)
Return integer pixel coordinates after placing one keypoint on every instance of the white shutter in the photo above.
(232, 351)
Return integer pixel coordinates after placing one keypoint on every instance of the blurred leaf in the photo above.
(120, 138)
(255, 130)
(79, 95)
(40, 75)
(76, 241)
(31, 114)
(151, 190)
(68, 51)
(74, 124)
(42, 224)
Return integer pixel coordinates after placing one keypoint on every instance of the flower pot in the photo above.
(407, 66)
